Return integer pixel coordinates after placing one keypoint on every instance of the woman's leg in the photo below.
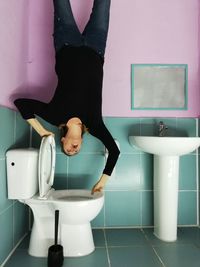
(96, 30)
(65, 27)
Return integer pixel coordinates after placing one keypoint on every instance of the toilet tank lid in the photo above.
(21, 151)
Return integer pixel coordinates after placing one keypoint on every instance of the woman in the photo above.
(77, 101)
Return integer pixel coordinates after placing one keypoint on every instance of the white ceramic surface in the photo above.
(77, 207)
(165, 146)
(166, 151)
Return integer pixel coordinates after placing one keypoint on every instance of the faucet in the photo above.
(162, 129)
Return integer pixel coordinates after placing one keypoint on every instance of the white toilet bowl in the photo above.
(77, 207)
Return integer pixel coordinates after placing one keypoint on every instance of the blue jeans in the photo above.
(95, 33)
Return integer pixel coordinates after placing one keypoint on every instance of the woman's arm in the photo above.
(29, 107)
(102, 133)
(37, 126)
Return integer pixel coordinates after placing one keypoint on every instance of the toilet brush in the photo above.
(55, 253)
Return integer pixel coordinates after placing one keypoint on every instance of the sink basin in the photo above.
(167, 152)
(165, 146)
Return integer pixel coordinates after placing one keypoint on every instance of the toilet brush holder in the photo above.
(55, 253)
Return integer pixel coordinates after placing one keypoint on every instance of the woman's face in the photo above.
(71, 146)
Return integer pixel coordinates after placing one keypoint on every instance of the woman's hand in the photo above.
(47, 133)
(99, 186)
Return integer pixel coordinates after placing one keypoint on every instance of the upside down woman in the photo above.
(77, 101)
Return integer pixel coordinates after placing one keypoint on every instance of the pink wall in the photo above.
(141, 31)
(13, 49)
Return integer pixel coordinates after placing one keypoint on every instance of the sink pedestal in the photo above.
(166, 178)
(166, 151)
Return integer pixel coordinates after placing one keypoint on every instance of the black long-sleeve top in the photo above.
(78, 94)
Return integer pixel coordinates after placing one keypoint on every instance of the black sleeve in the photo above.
(102, 133)
(29, 107)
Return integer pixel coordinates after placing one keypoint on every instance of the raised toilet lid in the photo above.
(46, 165)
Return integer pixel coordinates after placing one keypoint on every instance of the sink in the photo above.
(167, 152)
(165, 146)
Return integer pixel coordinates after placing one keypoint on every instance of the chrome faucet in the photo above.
(162, 129)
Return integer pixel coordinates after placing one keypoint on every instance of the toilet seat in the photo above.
(46, 165)
(74, 195)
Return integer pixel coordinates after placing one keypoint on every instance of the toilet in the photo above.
(30, 177)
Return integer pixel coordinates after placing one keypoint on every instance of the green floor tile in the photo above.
(126, 248)
(134, 257)
(21, 258)
(96, 259)
(99, 239)
(125, 237)
(179, 255)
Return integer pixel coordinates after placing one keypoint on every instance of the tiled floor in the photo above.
(127, 248)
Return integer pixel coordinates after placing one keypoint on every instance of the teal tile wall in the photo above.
(129, 191)
(13, 215)
(198, 167)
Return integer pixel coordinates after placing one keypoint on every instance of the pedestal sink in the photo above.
(166, 151)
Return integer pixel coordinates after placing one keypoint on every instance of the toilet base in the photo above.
(77, 240)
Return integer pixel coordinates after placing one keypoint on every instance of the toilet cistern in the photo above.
(30, 176)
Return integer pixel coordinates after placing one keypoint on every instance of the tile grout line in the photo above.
(141, 209)
(197, 185)
(15, 126)
(159, 258)
(30, 136)
(67, 169)
(13, 224)
(107, 252)
(104, 206)
(197, 171)
(7, 208)
(104, 213)
(13, 251)
(141, 204)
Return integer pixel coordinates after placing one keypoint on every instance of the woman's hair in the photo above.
(63, 131)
